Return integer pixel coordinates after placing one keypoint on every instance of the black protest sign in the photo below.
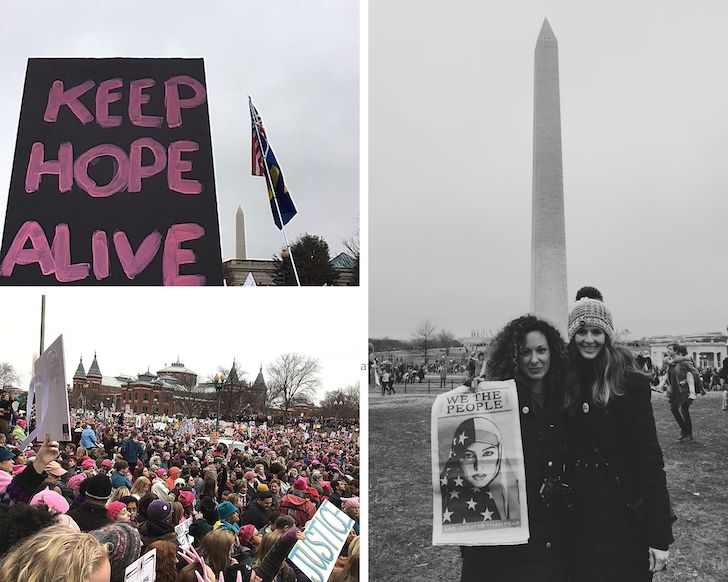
(112, 181)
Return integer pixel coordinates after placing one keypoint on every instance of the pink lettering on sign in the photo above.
(176, 166)
(62, 167)
(136, 99)
(121, 173)
(128, 171)
(61, 251)
(174, 255)
(57, 97)
(104, 97)
(106, 94)
(133, 264)
(174, 104)
(39, 252)
(137, 172)
(100, 253)
(55, 259)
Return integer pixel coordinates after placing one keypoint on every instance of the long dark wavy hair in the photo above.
(505, 351)
(605, 374)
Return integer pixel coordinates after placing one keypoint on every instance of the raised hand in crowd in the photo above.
(48, 452)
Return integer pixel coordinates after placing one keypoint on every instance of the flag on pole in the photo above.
(264, 163)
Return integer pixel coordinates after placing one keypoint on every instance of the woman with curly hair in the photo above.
(623, 525)
(57, 554)
(531, 352)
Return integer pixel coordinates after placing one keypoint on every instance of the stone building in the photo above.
(94, 391)
(236, 271)
(151, 395)
(174, 389)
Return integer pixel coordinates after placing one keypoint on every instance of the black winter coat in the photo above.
(543, 558)
(89, 516)
(608, 542)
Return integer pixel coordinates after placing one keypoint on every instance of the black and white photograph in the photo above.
(547, 198)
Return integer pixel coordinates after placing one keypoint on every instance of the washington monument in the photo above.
(548, 240)
(240, 235)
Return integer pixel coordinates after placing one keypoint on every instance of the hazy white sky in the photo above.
(298, 60)
(138, 328)
(644, 108)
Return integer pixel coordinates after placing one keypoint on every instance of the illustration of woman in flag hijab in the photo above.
(477, 484)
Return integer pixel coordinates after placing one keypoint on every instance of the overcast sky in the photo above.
(135, 329)
(297, 60)
(644, 109)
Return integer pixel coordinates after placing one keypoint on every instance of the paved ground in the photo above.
(401, 498)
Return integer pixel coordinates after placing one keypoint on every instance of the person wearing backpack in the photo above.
(299, 508)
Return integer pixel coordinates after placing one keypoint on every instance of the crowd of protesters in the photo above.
(88, 508)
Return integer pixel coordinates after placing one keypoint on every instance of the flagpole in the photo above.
(269, 183)
(42, 322)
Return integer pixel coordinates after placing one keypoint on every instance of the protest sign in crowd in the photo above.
(132, 493)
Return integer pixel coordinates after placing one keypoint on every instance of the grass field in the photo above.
(400, 496)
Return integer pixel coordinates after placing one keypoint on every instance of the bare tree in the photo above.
(8, 375)
(188, 396)
(342, 403)
(352, 245)
(293, 377)
(446, 339)
(423, 337)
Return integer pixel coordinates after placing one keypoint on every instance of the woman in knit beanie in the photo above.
(623, 526)
(124, 545)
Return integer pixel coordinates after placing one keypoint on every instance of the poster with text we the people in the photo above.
(112, 181)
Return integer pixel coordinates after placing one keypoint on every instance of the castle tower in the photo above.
(79, 379)
(548, 239)
(240, 235)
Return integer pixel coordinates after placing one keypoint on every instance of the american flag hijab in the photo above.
(463, 500)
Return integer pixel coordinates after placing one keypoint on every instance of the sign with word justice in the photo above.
(112, 181)
(325, 535)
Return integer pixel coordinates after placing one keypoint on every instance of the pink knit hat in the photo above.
(186, 498)
(88, 464)
(53, 500)
(245, 534)
(349, 502)
(75, 482)
(113, 509)
(300, 484)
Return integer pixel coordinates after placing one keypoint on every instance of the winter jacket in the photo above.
(608, 541)
(299, 508)
(255, 515)
(90, 516)
(119, 480)
(23, 486)
(544, 453)
(131, 450)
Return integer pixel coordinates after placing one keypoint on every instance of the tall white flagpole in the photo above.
(269, 184)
